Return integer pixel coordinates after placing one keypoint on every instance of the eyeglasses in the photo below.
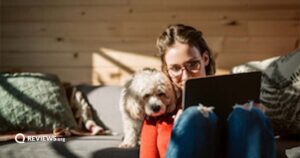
(191, 67)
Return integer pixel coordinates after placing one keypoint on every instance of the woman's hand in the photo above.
(260, 106)
(203, 109)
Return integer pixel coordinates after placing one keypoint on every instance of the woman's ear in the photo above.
(205, 58)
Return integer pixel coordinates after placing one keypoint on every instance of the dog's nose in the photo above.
(155, 108)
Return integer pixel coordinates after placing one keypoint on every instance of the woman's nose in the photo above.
(185, 75)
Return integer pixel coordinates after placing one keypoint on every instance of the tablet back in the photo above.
(222, 92)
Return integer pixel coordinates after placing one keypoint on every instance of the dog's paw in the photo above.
(97, 130)
(127, 145)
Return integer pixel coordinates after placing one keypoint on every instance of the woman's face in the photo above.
(185, 62)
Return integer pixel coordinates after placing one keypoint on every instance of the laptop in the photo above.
(222, 92)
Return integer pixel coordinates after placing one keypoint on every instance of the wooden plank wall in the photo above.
(102, 41)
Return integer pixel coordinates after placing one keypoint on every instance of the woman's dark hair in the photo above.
(186, 35)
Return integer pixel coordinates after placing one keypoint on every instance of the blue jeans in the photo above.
(248, 134)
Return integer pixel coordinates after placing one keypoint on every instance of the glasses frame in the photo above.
(186, 67)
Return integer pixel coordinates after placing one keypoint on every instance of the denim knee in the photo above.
(193, 135)
(192, 118)
(250, 134)
(249, 116)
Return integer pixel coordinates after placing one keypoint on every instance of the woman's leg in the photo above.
(249, 134)
(193, 135)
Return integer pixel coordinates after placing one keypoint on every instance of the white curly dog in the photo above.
(148, 92)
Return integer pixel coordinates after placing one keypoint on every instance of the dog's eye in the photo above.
(146, 96)
(161, 94)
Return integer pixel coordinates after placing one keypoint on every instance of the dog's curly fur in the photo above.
(148, 92)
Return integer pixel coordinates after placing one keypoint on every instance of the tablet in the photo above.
(222, 92)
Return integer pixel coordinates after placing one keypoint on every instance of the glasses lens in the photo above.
(193, 66)
(175, 71)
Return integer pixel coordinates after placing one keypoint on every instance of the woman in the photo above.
(185, 54)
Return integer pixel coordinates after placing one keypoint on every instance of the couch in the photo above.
(104, 101)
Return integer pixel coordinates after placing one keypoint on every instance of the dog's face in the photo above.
(153, 91)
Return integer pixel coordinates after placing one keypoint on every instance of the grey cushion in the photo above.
(105, 101)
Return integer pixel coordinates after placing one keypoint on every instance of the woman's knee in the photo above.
(194, 117)
(249, 113)
(195, 132)
(249, 133)
(247, 118)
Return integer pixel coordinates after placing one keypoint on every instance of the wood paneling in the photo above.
(167, 3)
(63, 2)
(59, 44)
(134, 13)
(34, 46)
(149, 28)
(75, 75)
(103, 42)
(48, 59)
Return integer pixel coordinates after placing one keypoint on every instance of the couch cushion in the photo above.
(280, 90)
(75, 147)
(105, 101)
(33, 102)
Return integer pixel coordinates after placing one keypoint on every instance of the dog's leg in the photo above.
(131, 132)
(132, 120)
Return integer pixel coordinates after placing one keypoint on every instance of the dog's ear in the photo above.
(135, 109)
(129, 101)
(126, 81)
(131, 104)
(175, 94)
